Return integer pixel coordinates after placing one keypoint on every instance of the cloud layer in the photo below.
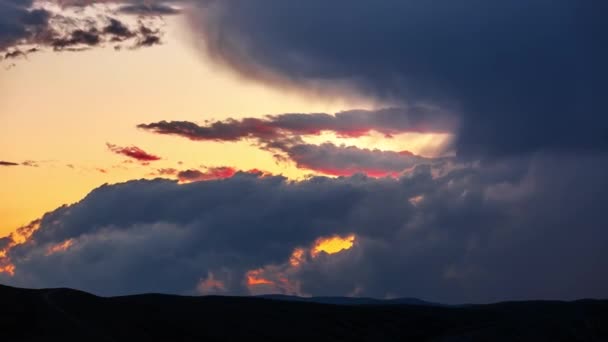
(282, 135)
(465, 236)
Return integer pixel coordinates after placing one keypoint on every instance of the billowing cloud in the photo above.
(522, 76)
(466, 236)
(133, 152)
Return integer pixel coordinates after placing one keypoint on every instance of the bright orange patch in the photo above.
(254, 277)
(297, 257)
(8, 269)
(333, 244)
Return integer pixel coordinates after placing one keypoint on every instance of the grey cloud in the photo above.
(331, 159)
(522, 75)
(21, 26)
(470, 236)
(149, 9)
(281, 135)
(417, 118)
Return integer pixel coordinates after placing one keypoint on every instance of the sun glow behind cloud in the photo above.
(333, 244)
(424, 144)
(280, 278)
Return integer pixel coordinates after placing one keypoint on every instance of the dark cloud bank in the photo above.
(523, 75)
(470, 235)
(518, 214)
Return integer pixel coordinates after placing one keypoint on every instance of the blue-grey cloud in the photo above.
(524, 75)
(149, 9)
(465, 235)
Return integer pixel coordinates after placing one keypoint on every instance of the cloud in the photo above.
(149, 9)
(192, 175)
(167, 171)
(30, 163)
(353, 123)
(523, 76)
(280, 134)
(25, 29)
(469, 236)
(133, 152)
(330, 159)
(7, 163)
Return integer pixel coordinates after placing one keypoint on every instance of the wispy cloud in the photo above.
(7, 163)
(281, 135)
(133, 152)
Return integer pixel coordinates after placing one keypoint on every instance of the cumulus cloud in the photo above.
(133, 152)
(522, 75)
(468, 236)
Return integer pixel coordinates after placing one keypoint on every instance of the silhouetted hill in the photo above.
(350, 300)
(69, 315)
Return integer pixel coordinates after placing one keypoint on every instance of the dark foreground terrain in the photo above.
(69, 315)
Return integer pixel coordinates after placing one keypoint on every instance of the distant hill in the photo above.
(351, 300)
(70, 315)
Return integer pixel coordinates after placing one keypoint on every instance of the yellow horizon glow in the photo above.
(62, 108)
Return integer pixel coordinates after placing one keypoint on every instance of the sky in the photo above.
(450, 151)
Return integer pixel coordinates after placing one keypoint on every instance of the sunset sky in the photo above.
(451, 151)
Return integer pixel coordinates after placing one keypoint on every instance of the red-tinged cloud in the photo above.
(354, 123)
(211, 285)
(281, 135)
(211, 173)
(133, 152)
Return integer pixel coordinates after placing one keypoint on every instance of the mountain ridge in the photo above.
(73, 315)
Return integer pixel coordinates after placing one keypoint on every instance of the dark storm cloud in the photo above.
(524, 75)
(468, 235)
